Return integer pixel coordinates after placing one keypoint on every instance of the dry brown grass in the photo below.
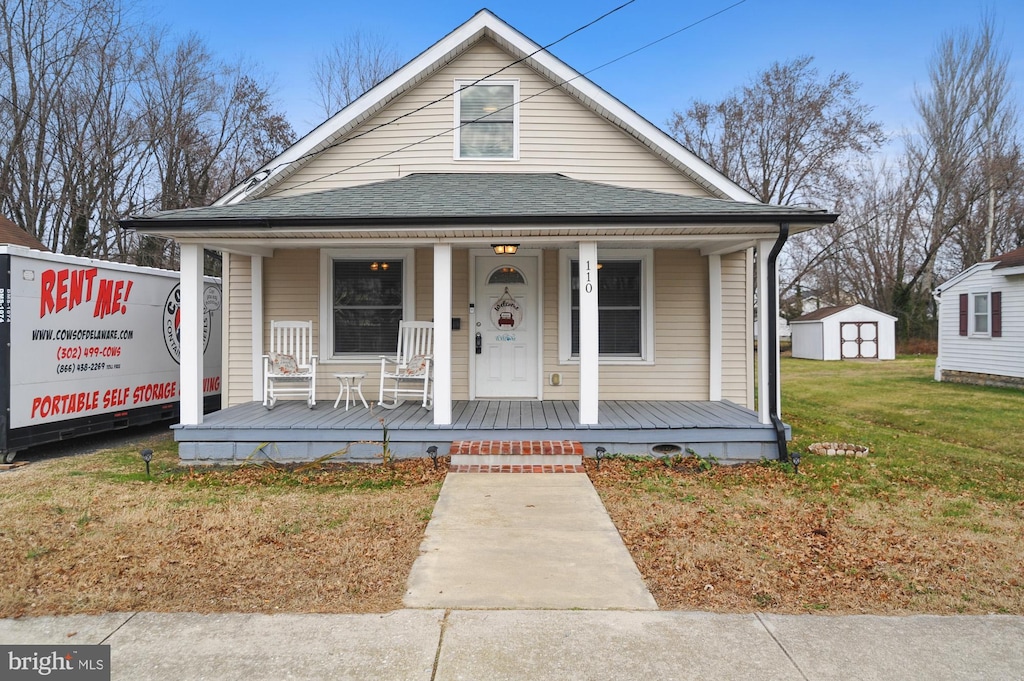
(755, 538)
(90, 534)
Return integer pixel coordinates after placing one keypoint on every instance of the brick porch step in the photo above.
(516, 456)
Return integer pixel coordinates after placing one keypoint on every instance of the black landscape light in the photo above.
(147, 456)
(432, 452)
(599, 454)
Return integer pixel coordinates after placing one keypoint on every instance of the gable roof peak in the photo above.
(485, 23)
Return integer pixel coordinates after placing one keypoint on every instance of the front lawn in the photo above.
(931, 521)
(89, 534)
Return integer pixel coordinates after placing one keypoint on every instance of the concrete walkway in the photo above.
(438, 645)
(524, 541)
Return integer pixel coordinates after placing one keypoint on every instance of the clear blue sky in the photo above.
(884, 44)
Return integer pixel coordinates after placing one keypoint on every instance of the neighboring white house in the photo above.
(844, 332)
(981, 323)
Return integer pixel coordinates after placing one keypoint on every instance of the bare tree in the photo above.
(351, 67)
(963, 157)
(208, 125)
(787, 137)
(50, 51)
(967, 122)
(97, 123)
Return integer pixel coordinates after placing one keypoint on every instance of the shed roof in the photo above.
(10, 233)
(821, 313)
(827, 312)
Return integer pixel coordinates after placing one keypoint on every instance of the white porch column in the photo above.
(765, 354)
(256, 298)
(191, 354)
(715, 325)
(589, 330)
(442, 334)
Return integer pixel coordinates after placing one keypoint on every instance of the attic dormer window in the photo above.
(487, 120)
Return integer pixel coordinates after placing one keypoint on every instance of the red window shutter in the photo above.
(997, 314)
(963, 314)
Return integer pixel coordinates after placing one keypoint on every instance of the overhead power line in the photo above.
(483, 78)
(269, 171)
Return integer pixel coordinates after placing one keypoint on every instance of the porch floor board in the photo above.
(721, 429)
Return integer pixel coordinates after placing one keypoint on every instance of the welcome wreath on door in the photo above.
(506, 313)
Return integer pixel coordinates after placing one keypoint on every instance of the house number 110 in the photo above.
(589, 288)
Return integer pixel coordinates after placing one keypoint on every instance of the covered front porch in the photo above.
(620, 295)
(293, 432)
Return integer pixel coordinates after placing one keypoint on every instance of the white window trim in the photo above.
(327, 258)
(972, 330)
(462, 83)
(646, 258)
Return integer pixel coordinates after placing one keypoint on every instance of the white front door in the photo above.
(506, 336)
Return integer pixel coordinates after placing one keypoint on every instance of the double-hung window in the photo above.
(625, 300)
(364, 297)
(980, 314)
(487, 120)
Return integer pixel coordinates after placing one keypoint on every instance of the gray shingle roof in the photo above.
(427, 198)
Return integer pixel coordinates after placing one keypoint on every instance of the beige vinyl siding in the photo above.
(556, 134)
(569, 389)
(291, 290)
(681, 367)
(460, 338)
(460, 308)
(236, 382)
(737, 329)
(292, 285)
(681, 361)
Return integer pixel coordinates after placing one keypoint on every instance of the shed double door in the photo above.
(859, 340)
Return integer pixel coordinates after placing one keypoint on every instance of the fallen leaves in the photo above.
(753, 537)
(341, 538)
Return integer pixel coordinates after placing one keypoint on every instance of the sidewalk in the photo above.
(430, 645)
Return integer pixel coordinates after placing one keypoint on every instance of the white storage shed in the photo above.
(844, 332)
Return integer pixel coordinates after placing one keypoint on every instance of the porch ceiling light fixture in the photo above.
(505, 249)
(379, 266)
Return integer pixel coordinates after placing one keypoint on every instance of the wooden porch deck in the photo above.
(293, 432)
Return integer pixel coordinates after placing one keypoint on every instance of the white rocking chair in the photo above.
(289, 368)
(410, 365)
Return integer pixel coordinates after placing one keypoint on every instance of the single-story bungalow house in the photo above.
(486, 177)
(981, 323)
(844, 332)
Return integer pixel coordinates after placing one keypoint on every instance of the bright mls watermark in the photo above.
(60, 662)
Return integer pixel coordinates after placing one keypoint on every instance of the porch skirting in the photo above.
(293, 432)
